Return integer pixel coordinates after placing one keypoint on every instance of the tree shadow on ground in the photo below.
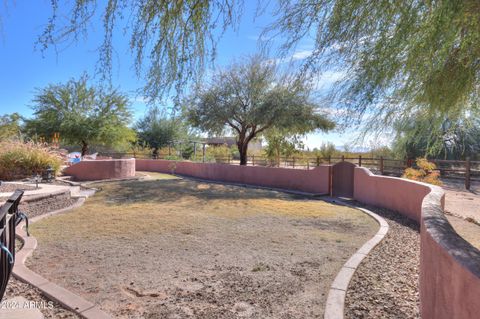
(164, 191)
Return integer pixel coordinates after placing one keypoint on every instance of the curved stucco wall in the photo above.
(102, 169)
(449, 265)
(311, 181)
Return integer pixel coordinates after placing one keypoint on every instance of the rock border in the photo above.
(66, 298)
(335, 305)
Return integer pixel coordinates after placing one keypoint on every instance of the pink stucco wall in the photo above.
(449, 266)
(101, 169)
(390, 192)
(311, 181)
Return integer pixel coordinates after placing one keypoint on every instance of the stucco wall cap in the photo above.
(442, 232)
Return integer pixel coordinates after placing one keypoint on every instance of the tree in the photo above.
(279, 143)
(250, 98)
(10, 126)
(81, 114)
(455, 137)
(157, 130)
(177, 37)
(327, 150)
(398, 56)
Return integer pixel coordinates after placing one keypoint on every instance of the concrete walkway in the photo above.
(44, 189)
(462, 208)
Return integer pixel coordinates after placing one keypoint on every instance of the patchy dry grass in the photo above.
(155, 175)
(127, 208)
(208, 250)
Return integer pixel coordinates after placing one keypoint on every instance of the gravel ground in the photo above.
(49, 308)
(46, 205)
(386, 283)
(11, 187)
(17, 288)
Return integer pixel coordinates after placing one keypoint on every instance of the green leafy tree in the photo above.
(10, 126)
(250, 99)
(438, 136)
(327, 150)
(381, 151)
(171, 41)
(397, 56)
(157, 130)
(281, 144)
(82, 114)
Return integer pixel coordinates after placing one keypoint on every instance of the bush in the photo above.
(220, 153)
(426, 172)
(19, 160)
(172, 158)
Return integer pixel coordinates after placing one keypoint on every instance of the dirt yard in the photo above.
(176, 248)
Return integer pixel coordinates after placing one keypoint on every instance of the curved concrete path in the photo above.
(335, 306)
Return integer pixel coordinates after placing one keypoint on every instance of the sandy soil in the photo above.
(184, 249)
(468, 230)
(462, 202)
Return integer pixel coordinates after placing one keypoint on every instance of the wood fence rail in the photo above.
(466, 170)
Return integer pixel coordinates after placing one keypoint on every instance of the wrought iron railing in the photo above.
(10, 217)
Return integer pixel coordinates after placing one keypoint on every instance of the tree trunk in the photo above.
(155, 153)
(84, 148)
(242, 149)
(277, 157)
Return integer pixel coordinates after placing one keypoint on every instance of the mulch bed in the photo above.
(386, 283)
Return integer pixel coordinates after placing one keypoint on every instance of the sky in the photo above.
(24, 68)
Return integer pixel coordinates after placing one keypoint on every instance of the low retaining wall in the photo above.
(449, 265)
(312, 181)
(102, 169)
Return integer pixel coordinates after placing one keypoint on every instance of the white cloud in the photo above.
(300, 55)
(140, 100)
(326, 79)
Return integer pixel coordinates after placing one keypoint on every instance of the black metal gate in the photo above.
(10, 217)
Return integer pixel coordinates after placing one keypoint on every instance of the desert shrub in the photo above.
(220, 153)
(19, 160)
(426, 172)
(172, 158)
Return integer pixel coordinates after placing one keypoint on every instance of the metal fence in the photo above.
(10, 217)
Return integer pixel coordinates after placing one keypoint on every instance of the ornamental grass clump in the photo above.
(20, 160)
(426, 172)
